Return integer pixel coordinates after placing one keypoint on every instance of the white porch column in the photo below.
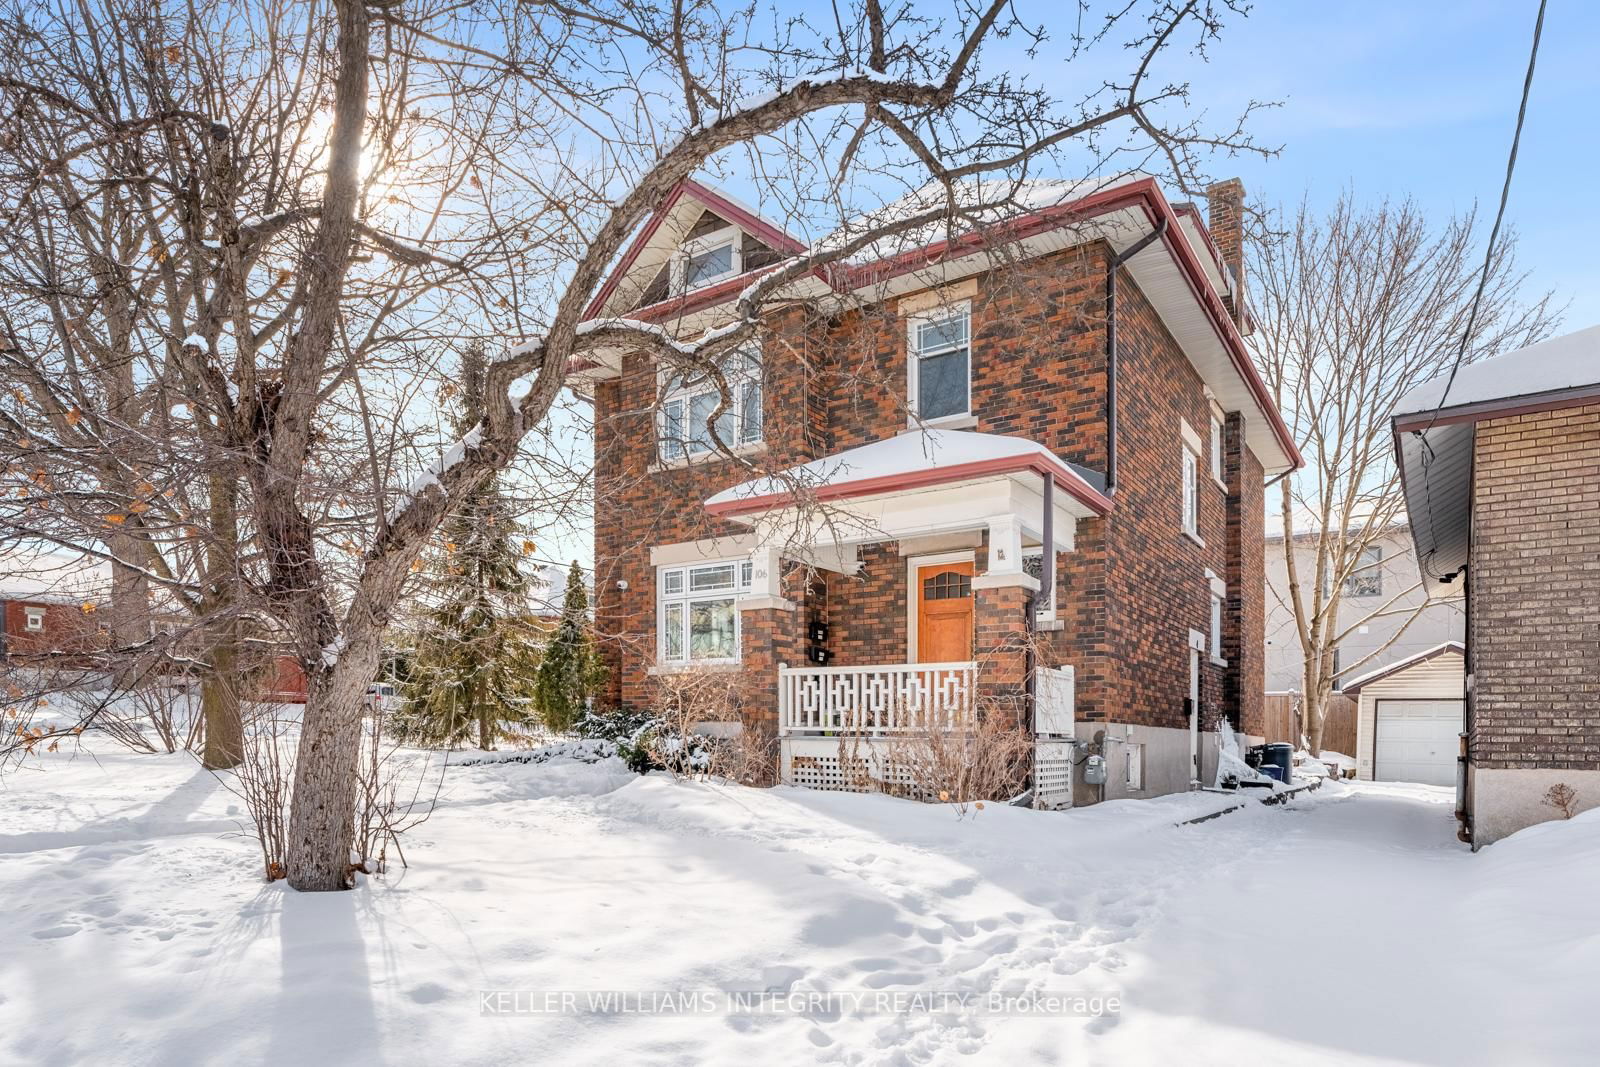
(766, 581)
(1005, 544)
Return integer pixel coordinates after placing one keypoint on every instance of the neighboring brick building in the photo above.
(48, 631)
(1502, 479)
(897, 435)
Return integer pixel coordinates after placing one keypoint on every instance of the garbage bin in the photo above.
(1278, 754)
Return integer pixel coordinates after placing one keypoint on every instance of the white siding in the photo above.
(1440, 678)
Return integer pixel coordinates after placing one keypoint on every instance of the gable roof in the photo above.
(1050, 217)
(686, 201)
(1434, 443)
(1447, 648)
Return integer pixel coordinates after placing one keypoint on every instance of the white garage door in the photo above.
(1417, 741)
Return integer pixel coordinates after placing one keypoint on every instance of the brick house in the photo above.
(41, 630)
(953, 469)
(1502, 480)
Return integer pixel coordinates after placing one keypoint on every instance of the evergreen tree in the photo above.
(476, 658)
(571, 671)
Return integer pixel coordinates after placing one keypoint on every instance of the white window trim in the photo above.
(686, 597)
(738, 384)
(1216, 443)
(955, 420)
(1189, 486)
(728, 235)
(33, 620)
(1217, 617)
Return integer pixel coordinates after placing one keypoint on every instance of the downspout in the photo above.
(1111, 346)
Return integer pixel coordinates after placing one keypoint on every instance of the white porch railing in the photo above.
(883, 699)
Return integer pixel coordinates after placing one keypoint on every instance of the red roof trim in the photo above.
(743, 218)
(1145, 193)
(1075, 486)
(711, 199)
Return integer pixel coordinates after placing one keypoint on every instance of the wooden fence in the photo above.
(1338, 729)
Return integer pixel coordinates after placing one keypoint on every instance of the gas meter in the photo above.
(1094, 770)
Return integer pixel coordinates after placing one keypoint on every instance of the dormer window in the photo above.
(707, 259)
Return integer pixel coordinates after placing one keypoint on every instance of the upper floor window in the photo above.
(1216, 447)
(707, 259)
(33, 620)
(688, 405)
(939, 370)
(697, 619)
(1219, 593)
(1367, 578)
(1189, 472)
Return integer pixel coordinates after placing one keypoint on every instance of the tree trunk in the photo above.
(322, 807)
(130, 612)
(219, 706)
(219, 695)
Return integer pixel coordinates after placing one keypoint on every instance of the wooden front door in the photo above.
(944, 612)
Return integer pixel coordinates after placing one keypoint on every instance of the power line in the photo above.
(1477, 297)
(1499, 217)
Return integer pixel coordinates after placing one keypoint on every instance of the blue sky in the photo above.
(1419, 99)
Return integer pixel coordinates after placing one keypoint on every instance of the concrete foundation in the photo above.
(1507, 800)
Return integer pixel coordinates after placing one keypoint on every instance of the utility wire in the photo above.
(1483, 282)
(1499, 217)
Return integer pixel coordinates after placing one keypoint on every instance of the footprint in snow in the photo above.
(50, 933)
(428, 993)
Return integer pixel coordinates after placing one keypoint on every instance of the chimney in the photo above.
(1225, 203)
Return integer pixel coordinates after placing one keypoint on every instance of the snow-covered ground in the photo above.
(1346, 926)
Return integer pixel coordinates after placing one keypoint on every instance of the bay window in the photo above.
(697, 617)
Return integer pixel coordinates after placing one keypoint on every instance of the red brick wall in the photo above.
(1535, 621)
(1130, 592)
(67, 629)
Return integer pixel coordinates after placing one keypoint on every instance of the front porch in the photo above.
(898, 589)
(863, 728)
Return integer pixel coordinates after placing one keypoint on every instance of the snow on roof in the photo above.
(1567, 362)
(52, 575)
(923, 453)
(1402, 664)
(992, 200)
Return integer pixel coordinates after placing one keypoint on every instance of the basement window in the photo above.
(1135, 766)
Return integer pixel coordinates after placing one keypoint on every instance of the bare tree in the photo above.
(1357, 306)
(361, 186)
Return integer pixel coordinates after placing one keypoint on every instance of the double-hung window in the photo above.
(1367, 577)
(688, 404)
(940, 364)
(706, 260)
(1190, 474)
(1216, 448)
(1219, 594)
(697, 618)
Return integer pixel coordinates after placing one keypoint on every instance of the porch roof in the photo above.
(912, 460)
